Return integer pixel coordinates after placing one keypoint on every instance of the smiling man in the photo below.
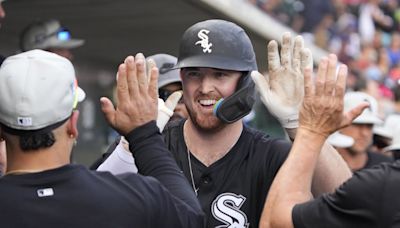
(229, 165)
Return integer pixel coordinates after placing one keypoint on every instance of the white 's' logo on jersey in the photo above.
(204, 41)
(226, 208)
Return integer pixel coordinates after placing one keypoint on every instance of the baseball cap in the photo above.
(386, 130)
(38, 89)
(395, 141)
(369, 115)
(47, 34)
(339, 140)
(164, 64)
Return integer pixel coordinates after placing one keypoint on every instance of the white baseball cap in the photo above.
(395, 140)
(340, 140)
(387, 129)
(369, 115)
(38, 89)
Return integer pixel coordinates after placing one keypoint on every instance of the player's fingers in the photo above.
(150, 63)
(273, 56)
(306, 59)
(308, 83)
(340, 87)
(330, 78)
(320, 80)
(173, 100)
(353, 113)
(108, 110)
(298, 46)
(122, 84)
(153, 84)
(286, 50)
(141, 72)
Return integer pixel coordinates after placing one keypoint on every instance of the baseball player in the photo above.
(230, 166)
(368, 199)
(42, 189)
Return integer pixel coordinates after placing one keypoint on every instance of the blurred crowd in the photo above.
(364, 34)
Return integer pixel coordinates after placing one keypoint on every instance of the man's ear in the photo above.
(73, 124)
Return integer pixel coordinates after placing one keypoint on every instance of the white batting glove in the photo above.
(282, 90)
(166, 110)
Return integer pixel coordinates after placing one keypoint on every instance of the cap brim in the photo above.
(340, 140)
(68, 44)
(367, 119)
(81, 95)
(382, 131)
(217, 62)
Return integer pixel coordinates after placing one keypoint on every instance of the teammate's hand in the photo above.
(166, 110)
(282, 89)
(322, 109)
(137, 96)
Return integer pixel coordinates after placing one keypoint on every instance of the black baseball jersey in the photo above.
(73, 196)
(232, 191)
(376, 159)
(369, 199)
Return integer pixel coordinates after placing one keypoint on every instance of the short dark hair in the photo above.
(36, 141)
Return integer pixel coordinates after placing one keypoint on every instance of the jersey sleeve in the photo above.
(357, 203)
(153, 159)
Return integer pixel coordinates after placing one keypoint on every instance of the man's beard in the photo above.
(208, 124)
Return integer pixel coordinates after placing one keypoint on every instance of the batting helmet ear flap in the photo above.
(239, 104)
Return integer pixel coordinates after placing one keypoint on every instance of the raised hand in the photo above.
(282, 89)
(322, 109)
(137, 96)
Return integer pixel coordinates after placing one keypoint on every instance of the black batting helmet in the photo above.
(223, 45)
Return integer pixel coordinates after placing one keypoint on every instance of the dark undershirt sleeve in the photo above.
(153, 159)
(357, 203)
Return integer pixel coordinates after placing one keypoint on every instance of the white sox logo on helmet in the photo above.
(204, 41)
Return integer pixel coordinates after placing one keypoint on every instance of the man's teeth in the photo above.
(207, 102)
